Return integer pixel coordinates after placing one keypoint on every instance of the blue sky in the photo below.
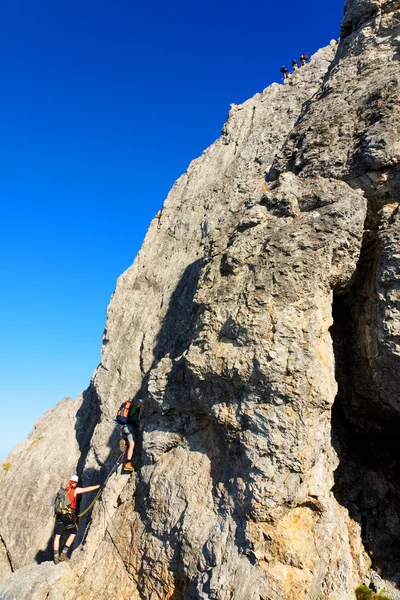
(103, 105)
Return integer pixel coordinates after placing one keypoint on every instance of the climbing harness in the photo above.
(72, 524)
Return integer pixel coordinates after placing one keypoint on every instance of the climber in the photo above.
(128, 418)
(303, 59)
(284, 72)
(295, 64)
(66, 519)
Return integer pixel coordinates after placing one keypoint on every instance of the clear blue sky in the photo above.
(103, 105)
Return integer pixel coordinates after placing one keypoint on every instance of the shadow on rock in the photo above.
(179, 323)
(87, 417)
(367, 479)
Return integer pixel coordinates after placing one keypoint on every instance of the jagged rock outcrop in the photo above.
(260, 325)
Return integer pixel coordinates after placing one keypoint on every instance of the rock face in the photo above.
(260, 325)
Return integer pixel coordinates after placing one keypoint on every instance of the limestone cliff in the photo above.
(259, 323)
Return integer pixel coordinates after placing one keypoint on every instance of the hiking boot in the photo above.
(64, 557)
(128, 467)
(122, 445)
(56, 559)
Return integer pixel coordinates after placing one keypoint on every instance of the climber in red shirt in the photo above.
(66, 521)
(303, 59)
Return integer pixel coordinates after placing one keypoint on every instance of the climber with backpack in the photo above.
(303, 59)
(66, 519)
(285, 73)
(128, 422)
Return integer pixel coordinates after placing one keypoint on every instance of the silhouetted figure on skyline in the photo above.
(284, 72)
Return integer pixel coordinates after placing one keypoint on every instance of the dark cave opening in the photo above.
(367, 479)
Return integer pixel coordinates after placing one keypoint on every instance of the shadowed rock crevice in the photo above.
(87, 417)
(365, 422)
(177, 328)
(367, 483)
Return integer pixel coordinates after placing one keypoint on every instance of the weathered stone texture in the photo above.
(158, 289)
(350, 130)
(35, 582)
(260, 325)
(260, 364)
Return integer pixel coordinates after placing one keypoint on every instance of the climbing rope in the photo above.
(131, 563)
(101, 488)
(91, 504)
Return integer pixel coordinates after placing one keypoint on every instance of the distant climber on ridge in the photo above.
(303, 59)
(66, 518)
(284, 72)
(128, 419)
(295, 64)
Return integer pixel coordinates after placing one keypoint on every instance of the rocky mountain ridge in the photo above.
(260, 325)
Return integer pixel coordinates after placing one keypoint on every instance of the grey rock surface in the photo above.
(260, 326)
(159, 287)
(260, 363)
(350, 130)
(35, 582)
